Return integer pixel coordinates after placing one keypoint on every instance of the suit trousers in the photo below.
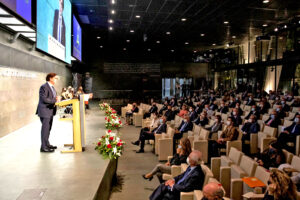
(45, 131)
(159, 169)
(163, 192)
(145, 135)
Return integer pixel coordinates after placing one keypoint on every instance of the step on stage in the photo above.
(27, 174)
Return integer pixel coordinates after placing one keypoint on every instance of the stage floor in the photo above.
(27, 173)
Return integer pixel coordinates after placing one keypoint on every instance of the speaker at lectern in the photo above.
(78, 120)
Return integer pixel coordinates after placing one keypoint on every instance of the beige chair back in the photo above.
(235, 155)
(247, 167)
(197, 129)
(295, 109)
(203, 134)
(207, 174)
(287, 123)
(288, 156)
(265, 117)
(270, 131)
(247, 108)
(262, 174)
(296, 162)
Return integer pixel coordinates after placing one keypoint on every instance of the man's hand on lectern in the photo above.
(58, 98)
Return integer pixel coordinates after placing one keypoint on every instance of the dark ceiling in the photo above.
(160, 16)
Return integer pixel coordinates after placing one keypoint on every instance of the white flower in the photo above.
(106, 141)
(115, 150)
(112, 134)
(118, 139)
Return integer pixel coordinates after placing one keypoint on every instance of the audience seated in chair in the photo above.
(153, 109)
(254, 111)
(183, 151)
(289, 135)
(223, 108)
(250, 127)
(150, 135)
(271, 157)
(185, 126)
(129, 114)
(201, 120)
(165, 107)
(170, 114)
(213, 191)
(237, 120)
(183, 111)
(192, 179)
(250, 101)
(229, 134)
(217, 126)
(280, 113)
(273, 121)
(192, 113)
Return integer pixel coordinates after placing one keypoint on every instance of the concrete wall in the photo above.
(22, 72)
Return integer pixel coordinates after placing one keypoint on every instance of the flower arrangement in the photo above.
(109, 111)
(104, 106)
(110, 145)
(113, 122)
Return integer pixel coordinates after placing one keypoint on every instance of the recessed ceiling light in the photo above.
(280, 38)
(183, 19)
(124, 49)
(172, 50)
(131, 31)
(137, 16)
(202, 34)
(266, 1)
(113, 12)
(168, 33)
(113, 1)
(210, 50)
(157, 41)
(110, 28)
(110, 21)
(227, 45)
(276, 29)
(186, 43)
(128, 41)
(149, 49)
(265, 25)
(233, 36)
(285, 26)
(214, 44)
(195, 51)
(101, 46)
(226, 22)
(98, 37)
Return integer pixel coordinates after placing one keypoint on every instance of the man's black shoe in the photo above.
(47, 150)
(52, 147)
(140, 151)
(137, 143)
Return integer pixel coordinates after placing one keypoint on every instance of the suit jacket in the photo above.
(170, 115)
(63, 29)
(291, 127)
(187, 128)
(135, 110)
(251, 127)
(198, 109)
(223, 110)
(237, 120)
(153, 109)
(163, 109)
(275, 123)
(286, 108)
(256, 113)
(46, 107)
(250, 103)
(193, 116)
(230, 134)
(215, 127)
(213, 106)
(160, 129)
(194, 181)
(202, 123)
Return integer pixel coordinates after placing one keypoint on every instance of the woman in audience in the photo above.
(134, 109)
(79, 92)
(272, 157)
(182, 153)
(183, 111)
(64, 94)
(280, 187)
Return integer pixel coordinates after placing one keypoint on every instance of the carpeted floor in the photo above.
(131, 166)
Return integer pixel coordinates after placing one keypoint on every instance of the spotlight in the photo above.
(266, 1)
(172, 50)
(265, 25)
(110, 21)
(168, 33)
(276, 29)
(233, 36)
(202, 35)
(110, 28)
(186, 43)
(124, 49)
(131, 31)
(98, 37)
(183, 19)
(214, 44)
(157, 41)
(127, 41)
(113, 12)
(149, 49)
(226, 22)
(137, 16)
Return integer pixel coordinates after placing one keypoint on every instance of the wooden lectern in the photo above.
(78, 120)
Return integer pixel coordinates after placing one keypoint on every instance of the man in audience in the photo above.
(229, 134)
(192, 179)
(198, 108)
(296, 103)
(285, 107)
(129, 113)
(169, 114)
(213, 106)
(273, 121)
(213, 191)
(183, 111)
(185, 126)
(173, 102)
(262, 108)
(165, 107)
(272, 157)
(238, 106)
(193, 115)
(280, 113)
(237, 120)
(254, 111)
(147, 135)
(250, 101)
(250, 127)
(202, 120)
(289, 135)
(223, 108)
(153, 109)
(217, 126)
(231, 102)
(266, 103)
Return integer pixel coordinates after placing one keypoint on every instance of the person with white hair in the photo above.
(192, 179)
(213, 191)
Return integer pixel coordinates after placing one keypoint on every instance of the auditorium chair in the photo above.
(164, 144)
(125, 109)
(288, 156)
(236, 143)
(295, 109)
(207, 175)
(175, 170)
(176, 122)
(238, 187)
(265, 117)
(195, 132)
(246, 168)
(252, 142)
(290, 116)
(261, 124)
(247, 108)
(200, 143)
(217, 163)
(265, 137)
(138, 117)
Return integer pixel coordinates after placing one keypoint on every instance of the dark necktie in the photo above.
(185, 175)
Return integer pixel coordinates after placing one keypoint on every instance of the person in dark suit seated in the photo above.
(285, 107)
(273, 121)
(237, 120)
(250, 101)
(193, 115)
(153, 109)
(198, 108)
(165, 107)
(254, 111)
(213, 191)
(231, 102)
(289, 135)
(59, 27)
(250, 127)
(185, 126)
(212, 98)
(202, 120)
(280, 113)
(46, 109)
(213, 106)
(223, 108)
(192, 179)
(266, 103)
(296, 103)
(229, 134)
(147, 135)
(217, 126)
(238, 106)
(183, 151)
(262, 108)
(271, 157)
(169, 114)
(134, 109)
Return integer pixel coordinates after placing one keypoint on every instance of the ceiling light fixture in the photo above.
(276, 29)
(131, 31)
(265, 25)
(127, 41)
(233, 36)
(124, 49)
(186, 43)
(98, 37)
(137, 16)
(214, 44)
(157, 41)
(195, 51)
(113, 12)
(168, 33)
(113, 1)
(172, 50)
(202, 35)
(285, 26)
(266, 1)
(101, 46)
(110, 21)
(110, 28)
(149, 49)
(183, 19)
(226, 22)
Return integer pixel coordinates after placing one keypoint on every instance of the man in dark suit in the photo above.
(46, 110)
(273, 121)
(254, 111)
(192, 179)
(237, 120)
(289, 135)
(202, 120)
(153, 109)
(250, 101)
(147, 135)
(192, 113)
(223, 108)
(165, 107)
(185, 126)
(59, 27)
(250, 127)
